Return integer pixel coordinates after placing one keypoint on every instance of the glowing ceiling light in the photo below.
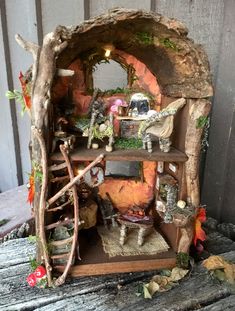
(108, 49)
(107, 53)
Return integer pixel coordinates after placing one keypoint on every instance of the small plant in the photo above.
(144, 38)
(33, 263)
(182, 260)
(23, 97)
(118, 90)
(96, 133)
(168, 44)
(32, 239)
(18, 96)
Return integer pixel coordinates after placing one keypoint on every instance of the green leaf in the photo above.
(220, 275)
(147, 294)
(166, 272)
(33, 263)
(38, 175)
(10, 95)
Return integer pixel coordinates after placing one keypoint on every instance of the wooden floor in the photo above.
(94, 261)
(114, 292)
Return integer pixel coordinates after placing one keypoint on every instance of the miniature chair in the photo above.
(160, 125)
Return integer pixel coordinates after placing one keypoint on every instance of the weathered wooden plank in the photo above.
(60, 12)
(219, 183)
(111, 292)
(8, 165)
(24, 24)
(226, 304)
(102, 6)
(14, 208)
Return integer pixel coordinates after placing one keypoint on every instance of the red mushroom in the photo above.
(31, 280)
(40, 272)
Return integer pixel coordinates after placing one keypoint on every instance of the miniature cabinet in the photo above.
(90, 221)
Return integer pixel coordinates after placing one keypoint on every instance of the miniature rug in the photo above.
(154, 243)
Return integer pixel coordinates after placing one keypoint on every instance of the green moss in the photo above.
(182, 260)
(144, 38)
(128, 143)
(166, 42)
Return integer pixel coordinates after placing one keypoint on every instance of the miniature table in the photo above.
(143, 229)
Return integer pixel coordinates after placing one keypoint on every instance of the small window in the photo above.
(109, 76)
(123, 169)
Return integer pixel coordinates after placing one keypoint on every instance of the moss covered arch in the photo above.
(180, 65)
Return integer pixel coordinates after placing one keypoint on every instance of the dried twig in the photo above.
(76, 179)
(61, 279)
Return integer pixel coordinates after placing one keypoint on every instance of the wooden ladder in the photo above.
(44, 208)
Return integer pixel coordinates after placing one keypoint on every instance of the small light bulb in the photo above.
(107, 53)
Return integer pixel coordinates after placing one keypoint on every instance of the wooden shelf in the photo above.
(81, 153)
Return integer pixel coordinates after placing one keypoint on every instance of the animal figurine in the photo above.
(160, 124)
(139, 105)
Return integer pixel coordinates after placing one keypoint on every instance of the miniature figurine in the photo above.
(139, 105)
(100, 126)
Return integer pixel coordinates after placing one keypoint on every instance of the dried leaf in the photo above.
(31, 189)
(153, 287)
(147, 294)
(218, 263)
(199, 232)
(162, 281)
(177, 274)
(220, 275)
(229, 271)
(25, 91)
(166, 272)
(214, 263)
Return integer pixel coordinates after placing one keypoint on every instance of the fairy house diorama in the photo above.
(114, 182)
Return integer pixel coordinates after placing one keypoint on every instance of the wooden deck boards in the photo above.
(111, 292)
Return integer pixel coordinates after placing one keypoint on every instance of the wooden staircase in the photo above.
(48, 206)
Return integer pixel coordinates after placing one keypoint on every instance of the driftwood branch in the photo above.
(59, 208)
(61, 279)
(42, 203)
(197, 108)
(76, 179)
(28, 46)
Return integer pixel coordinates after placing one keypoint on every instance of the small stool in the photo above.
(143, 229)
